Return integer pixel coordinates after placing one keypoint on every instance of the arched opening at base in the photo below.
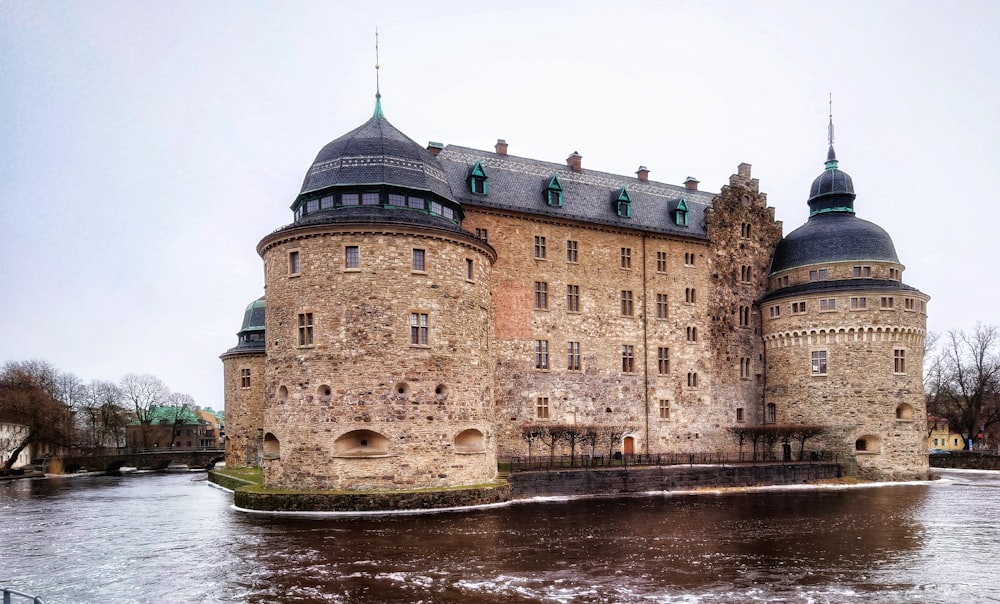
(904, 411)
(470, 441)
(272, 448)
(868, 443)
(361, 443)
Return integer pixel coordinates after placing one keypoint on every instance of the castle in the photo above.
(426, 303)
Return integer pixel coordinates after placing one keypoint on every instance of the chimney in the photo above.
(691, 183)
(501, 147)
(435, 148)
(643, 173)
(573, 161)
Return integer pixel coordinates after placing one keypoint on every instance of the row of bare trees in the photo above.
(56, 410)
(763, 439)
(962, 381)
(588, 437)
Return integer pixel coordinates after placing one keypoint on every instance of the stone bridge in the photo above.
(148, 460)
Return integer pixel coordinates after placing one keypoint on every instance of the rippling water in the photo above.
(175, 538)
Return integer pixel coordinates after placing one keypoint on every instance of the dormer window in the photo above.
(477, 179)
(681, 213)
(554, 192)
(623, 204)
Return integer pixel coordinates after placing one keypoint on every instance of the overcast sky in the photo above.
(145, 148)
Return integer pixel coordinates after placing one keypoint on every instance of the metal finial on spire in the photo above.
(378, 92)
(831, 155)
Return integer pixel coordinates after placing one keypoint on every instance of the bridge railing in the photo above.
(9, 594)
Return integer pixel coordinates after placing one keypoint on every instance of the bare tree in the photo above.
(26, 400)
(572, 435)
(143, 394)
(178, 411)
(614, 433)
(963, 381)
(552, 435)
(590, 435)
(530, 433)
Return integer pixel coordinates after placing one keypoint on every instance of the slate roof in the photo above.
(833, 237)
(519, 184)
(376, 153)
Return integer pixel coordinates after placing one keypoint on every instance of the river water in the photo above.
(176, 538)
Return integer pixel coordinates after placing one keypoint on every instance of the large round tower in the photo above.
(844, 336)
(378, 326)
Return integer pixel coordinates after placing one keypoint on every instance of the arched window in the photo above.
(868, 443)
(272, 448)
(904, 411)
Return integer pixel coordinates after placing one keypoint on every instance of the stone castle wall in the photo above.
(361, 407)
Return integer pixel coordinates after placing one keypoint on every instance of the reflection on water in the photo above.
(160, 538)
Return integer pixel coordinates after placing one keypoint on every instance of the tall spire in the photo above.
(378, 93)
(831, 156)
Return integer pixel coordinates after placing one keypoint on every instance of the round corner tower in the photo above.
(243, 371)
(378, 365)
(844, 336)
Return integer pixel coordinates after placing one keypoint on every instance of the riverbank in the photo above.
(250, 494)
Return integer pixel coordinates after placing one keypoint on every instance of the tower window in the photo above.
(351, 257)
(819, 362)
(419, 258)
(828, 304)
(305, 329)
(293, 263)
(470, 266)
(692, 379)
(244, 378)
(692, 334)
(744, 316)
(482, 234)
(628, 358)
(819, 275)
(689, 259)
(418, 328)
(899, 361)
(572, 251)
(539, 247)
(859, 303)
(887, 302)
(541, 295)
(477, 179)
(690, 296)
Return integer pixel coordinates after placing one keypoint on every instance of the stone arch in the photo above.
(868, 443)
(470, 441)
(361, 443)
(904, 411)
(282, 394)
(271, 446)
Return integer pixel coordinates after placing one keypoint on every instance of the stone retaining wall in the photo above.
(370, 501)
(664, 478)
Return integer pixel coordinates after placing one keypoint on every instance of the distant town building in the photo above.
(427, 303)
(176, 429)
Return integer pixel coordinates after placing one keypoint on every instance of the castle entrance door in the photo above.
(628, 446)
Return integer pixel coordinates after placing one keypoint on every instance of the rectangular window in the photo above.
(418, 329)
(899, 361)
(435, 208)
(541, 354)
(661, 306)
(663, 360)
(352, 257)
(689, 295)
(539, 247)
(627, 303)
(469, 269)
(418, 260)
(349, 199)
(774, 311)
(626, 257)
(482, 234)
(293, 263)
(893, 274)
(326, 202)
(798, 307)
(312, 205)
(859, 303)
(828, 304)
(887, 302)
(819, 362)
(572, 251)
(661, 262)
(692, 379)
(305, 329)
(861, 272)
(244, 378)
(628, 358)
(909, 304)
(739, 414)
(692, 334)
(573, 298)
(573, 356)
(772, 413)
(819, 275)
(369, 199)
(542, 407)
(664, 409)
(396, 199)
(689, 259)
(541, 295)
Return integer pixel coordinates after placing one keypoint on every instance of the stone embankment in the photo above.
(521, 485)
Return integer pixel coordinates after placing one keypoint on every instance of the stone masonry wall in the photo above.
(244, 407)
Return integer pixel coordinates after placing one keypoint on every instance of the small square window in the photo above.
(542, 407)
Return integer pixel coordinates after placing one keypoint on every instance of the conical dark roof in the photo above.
(833, 233)
(376, 153)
